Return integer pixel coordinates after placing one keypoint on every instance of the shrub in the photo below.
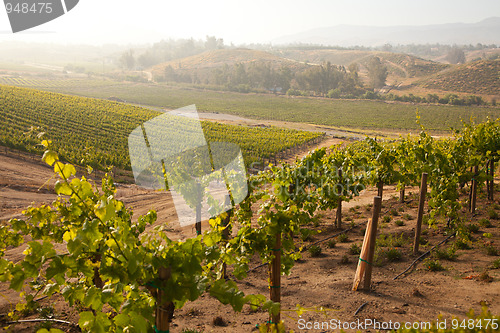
(399, 223)
(387, 218)
(485, 223)
(493, 214)
(315, 251)
(331, 243)
(354, 249)
(343, 238)
(462, 244)
(393, 254)
(394, 212)
(345, 260)
(448, 254)
(407, 217)
(433, 265)
(496, 264)
(473, 227)
(491, 250)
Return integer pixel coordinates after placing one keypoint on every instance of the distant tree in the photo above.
(212, 43)
(127, 60)
(456, 56)
(354, 72)
(377, 73)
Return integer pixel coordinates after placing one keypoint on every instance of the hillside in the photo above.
(210, 60)
(479, 77)
(399, 65)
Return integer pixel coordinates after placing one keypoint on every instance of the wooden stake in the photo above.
(474, 191)
(492, 181)
(423, 191)
(275, 278)
(380, 189)
(164, 309)
(360, 271)
(225, 232)
(377, 205)
(198, 220)
(338, 219)
(402, 194)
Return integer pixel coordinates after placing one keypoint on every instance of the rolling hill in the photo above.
(210, 60)
(478, 77)
(401, 65)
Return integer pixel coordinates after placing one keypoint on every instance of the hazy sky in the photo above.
(259, 21)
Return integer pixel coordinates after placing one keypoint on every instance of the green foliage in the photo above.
(87, 236)
(355, 249)
(433, 265)
(496, 264)
(391, 240)
(491, 250)
(331, 243)
(399, 223)
(448, 254)
(493, 214)
(343, 238)
(95, 132)
(485, 223)
(473, 228)
(393, 254)
(315, 251)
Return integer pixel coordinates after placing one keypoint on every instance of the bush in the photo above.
(315, 251)
(462, 244)
(491, 250)
(343, 238)
(433, 265)
(493, 214)
(331, 243)
(448, 254)
(354, 249)
(399, 223)
(393, 254)
(496, 264)
(407, 217)
(485, 223)
(473, 227)
(345, 260)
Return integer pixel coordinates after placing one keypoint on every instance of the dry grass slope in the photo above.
(479, 77)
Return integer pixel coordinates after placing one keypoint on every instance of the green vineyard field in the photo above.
(95, 132)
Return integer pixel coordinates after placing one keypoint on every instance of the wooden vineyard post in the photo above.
(492, 182)
(474, 191)
(402, 194)
(380, 189)
(164, 309)
(377, 205)
(367, 250)
(423, 191)
(275, 279)
(338, 219)
(198, 219)
(225, 232)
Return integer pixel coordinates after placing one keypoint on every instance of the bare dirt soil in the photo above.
(324, 281)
